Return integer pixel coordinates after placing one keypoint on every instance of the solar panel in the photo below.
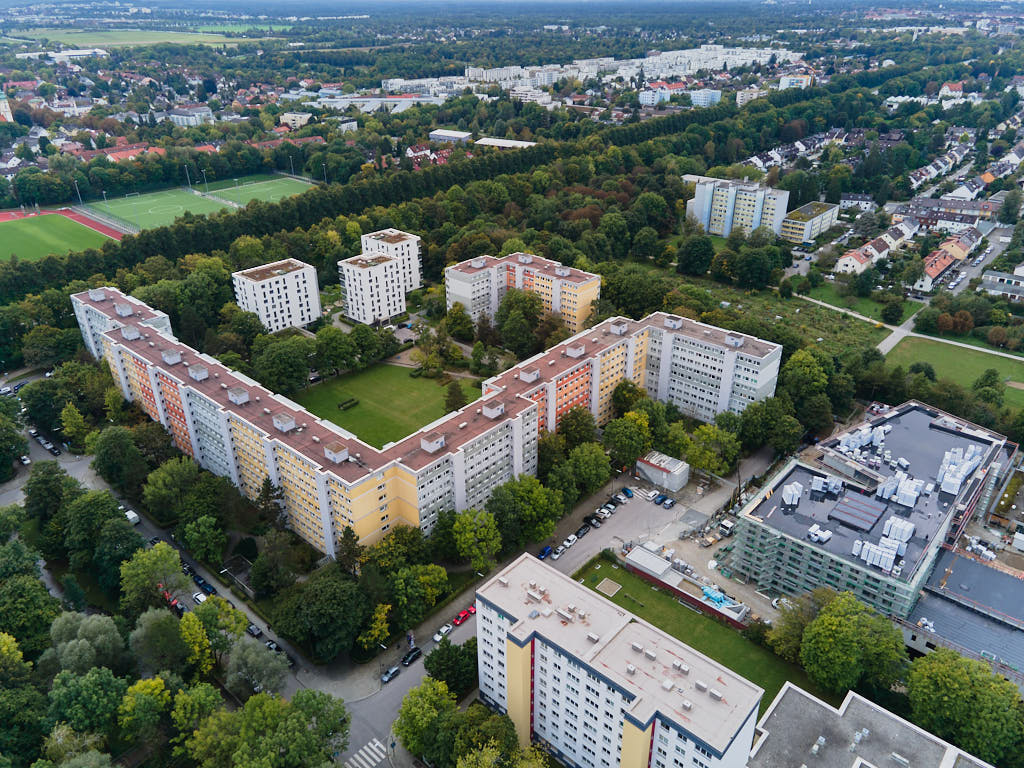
(857, 511)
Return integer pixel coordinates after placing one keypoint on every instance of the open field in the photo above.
(155, 209)
(960, 365)
(865, 306)
(719, 642)
(80, 38)
(392, 404)
(32, 238)
(268, 190)
(243, 26)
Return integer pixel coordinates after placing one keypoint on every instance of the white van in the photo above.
(133, 517)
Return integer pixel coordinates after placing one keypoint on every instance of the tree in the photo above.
(191, 708)
(713, 450)
(455, 397)
(456, 665)
(378, 631)
(84, 518)
(423, 708)
(254, 668)
(459, 323)
(47, 490)
(694, 255)
(272, 572)
(70, 632)
(148, 573)
(325, 613)
(849, 644)
(156, 641)
(784, 435)
(26, 612)
(283, 364)
(142, 708)
(64, 744)
(589, 466)
(348, 551)
(892, 312)
(221, 623)
(787, 632)
(167, 485)
(577, 426)
(963, 701)
(268, 501)
(206, 538)
(335, 351)
(416, 589)
(626, 441)
(193, 634)
(625, 394)
(524, 510)
(117, 459)
(73, 426)
(116, 542)
(477, 538)
(645, 244)
(1009, 211)
(89, 702)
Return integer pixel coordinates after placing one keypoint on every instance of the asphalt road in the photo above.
(997, 249)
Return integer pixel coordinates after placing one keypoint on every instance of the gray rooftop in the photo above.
(797, 721)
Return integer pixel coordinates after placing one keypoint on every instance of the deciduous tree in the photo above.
(477, 538)
(147, 574)
(423, 708)
(254, 668)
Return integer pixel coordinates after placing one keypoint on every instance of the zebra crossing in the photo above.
(367, 757)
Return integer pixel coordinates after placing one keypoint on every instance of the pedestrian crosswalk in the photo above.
(367, 757)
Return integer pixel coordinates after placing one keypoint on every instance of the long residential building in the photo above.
(480, 284)
(598, 687)
(236, 428)
(722, 205)
(807, 222)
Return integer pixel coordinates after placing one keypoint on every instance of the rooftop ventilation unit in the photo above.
(130, 333)
(593, 637)
(336, 452)
(667, 684)
(564, 614)
(123, 309)
(714, 694)
(171, 356)
(284, 422)
(563, 271)
(650, 654)
(432, 443)
(503, 581)
(534, 596)
(618, 328)
(238, 396)
(673, 322)
(687, 704)
(493, 410)
(97, 294)
(701, 685)
(637, 647)
(525, 258)
(198, 372)
(477, 263)
(630, 669)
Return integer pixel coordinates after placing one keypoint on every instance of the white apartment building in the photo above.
(794, 81)
(747, 95)
(403, 247)
(372, 287)
(705, 370)
(599, 687)
(721, 205)
(283, 294)
(705, 97)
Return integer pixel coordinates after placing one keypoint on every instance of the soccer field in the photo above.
(37, 236)
(268, 190)
(156, 209)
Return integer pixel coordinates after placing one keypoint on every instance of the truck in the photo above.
(133, 517)
(726, 528)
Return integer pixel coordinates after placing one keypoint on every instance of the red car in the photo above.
(462, 618)
(472, 608)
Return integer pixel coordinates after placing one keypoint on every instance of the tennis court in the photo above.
(268, 190)
(156, 209)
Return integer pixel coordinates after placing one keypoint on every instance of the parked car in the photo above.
(569, 541)
(185, 567)
(582, 531)
(619, 498)
(253, 630)
(592, 520)
(442, 632)
(472, 609)
(33, 432)
(208, 588)
(199, 580)
(627, 493)
(54, 450)
(781, 602)
(272, 646)
(413, 654)
(461, 619)
(610, 508)
(669, 503)
(544, 553)
(558, 552)
(198, 598)
(26, 460)
(156, 540)
(603, 513)
(390, 674)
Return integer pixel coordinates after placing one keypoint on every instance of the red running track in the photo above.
(85, 221)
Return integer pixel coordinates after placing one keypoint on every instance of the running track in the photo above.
(85, 221)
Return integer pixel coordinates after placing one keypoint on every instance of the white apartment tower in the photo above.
(401, 246)
(283, 294)
(600, 688)
(722, 205)
(372, 287)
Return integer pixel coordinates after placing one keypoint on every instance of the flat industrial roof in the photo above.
(267, 271)
(658, 685)
(797, 721)
(392, 236)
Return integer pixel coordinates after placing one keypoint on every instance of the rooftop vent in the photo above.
(432, 443)
(715, 694)
(734, 341)
(503, 581)
(593, 637)
(529, 374)
(563, 271)
(238, 396)
(637, 647)
(198, 372)
(123, 309)
(575, 350)
(524, 258)
(130, 333)
(284, 422)
(534, 596)
(674, 322)
(630, 669)
(687, 704)
(477, 263)
(667, 684)
(336, 452)
(493, 410)
(701, 685)
(564, 614)
(463, 425)
(618, 328)
(171, 356)
(650, 654)
(97, 294)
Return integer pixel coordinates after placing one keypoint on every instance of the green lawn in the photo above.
(960, 365)
(866, 306)
(392, 404)
(33, 238)
(268, 190)
(79, 38)
(155, 209)
(721, 643)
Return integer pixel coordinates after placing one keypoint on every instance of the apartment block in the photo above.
(600, 688)
(805, 223)
(705, 97)
(748, 95)
(403, 247)
(872, 508)
(372, 287)
(480, 284)
(283, 294)
(722, 205)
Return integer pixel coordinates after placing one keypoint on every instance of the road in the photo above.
(997, 249)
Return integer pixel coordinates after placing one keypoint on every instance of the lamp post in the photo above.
(188, 178)
(325, 172)
(203, 171)
(78, 192)
(104, 195)
(291, 163)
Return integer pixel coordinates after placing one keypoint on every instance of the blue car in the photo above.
(543, 554)
(627, 493)
(660, 499)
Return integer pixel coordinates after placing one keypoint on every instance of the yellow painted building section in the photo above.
(374, 505)
(614, 368)
(636, 746)
(297, 480)
(249, 457)
(576, 303)
(518, 684)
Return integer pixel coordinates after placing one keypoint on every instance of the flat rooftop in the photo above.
(809, 210)
(535, 264)
(797, 721)
(919, 435)
(657, 682)
(366, 261)
(391, 236)
(268, 271)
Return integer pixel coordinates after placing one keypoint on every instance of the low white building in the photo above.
(663, 470)
(857, 200)
(451, 137)
(295, 120)
(372, 289)
(283, 294)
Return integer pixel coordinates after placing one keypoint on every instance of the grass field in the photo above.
(866, 306)
(33, 238)
(392, 404)
(156, 209)
(721, 643)
(243, 27)
(960, 365)
(80, 38)
(269, 190)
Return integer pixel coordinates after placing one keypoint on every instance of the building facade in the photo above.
(284, 294)
(705, 97)
(403, 247)
(722, 205)
(807, 222)
(480, 284)
(748, 95)
(599, 688)
(372, 288)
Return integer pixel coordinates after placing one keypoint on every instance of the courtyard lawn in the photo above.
(392, 404)
(961, 365)
(32, 238)
(156, 209)
(719, 642)
(865, 306)
(269, 190)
